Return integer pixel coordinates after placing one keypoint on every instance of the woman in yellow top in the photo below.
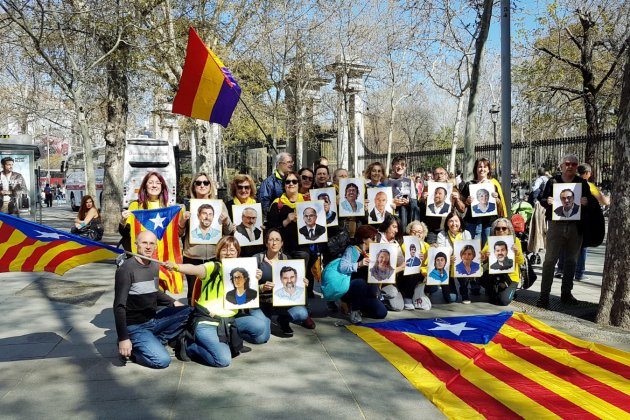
(500, 288)
(153, 194)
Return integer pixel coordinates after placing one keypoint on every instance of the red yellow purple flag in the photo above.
(164, 222)
(504, 366)
(30, 247)
(207, 89)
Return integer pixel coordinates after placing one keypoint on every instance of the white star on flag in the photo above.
(454, 328)
(157, 221)
(52, 235)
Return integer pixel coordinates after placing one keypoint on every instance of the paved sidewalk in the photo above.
(58, 359)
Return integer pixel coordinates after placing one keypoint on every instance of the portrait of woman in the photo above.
(438, 267)
(483, 204)
(381, 270)
(467, 267)
(352, 203)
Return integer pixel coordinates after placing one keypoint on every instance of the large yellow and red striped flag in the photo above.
(29, 247)
(207, 90)
(164, 222)
(504, 366)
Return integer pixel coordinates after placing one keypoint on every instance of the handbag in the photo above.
(335, 284)
(338, 243)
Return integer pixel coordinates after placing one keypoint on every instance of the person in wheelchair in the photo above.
(500, 288)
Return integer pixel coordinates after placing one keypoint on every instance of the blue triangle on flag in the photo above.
(156, 220)
(477, 329)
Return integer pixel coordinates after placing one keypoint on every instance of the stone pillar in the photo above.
(350, 131)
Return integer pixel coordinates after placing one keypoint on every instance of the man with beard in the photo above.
(503, 262)
(247, 230)
(290, 290)
(12, 185)
(205, 231)
(439, 206)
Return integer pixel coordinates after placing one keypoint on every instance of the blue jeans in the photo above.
(580, 266)
(148, 339)
(207, 349)
(364, 297)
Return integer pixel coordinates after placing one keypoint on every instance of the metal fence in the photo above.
(527, 156)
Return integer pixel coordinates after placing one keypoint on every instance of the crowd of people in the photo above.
(209, 333)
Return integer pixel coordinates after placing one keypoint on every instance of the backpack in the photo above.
(335, 284)
(518, 221)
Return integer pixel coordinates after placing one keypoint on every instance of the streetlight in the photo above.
(494, 114)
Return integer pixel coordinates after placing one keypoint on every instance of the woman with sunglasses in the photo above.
(500, 288)
(454, 232)
(306, 177)
(201, 188)
(243, 191)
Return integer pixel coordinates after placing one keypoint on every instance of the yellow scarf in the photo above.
(248, 201)
(286, 202)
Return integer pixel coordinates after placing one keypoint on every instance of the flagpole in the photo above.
(267, 137)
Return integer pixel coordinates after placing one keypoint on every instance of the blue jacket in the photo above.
(270, 189)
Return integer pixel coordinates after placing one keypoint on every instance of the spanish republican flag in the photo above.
(29, 247)
(504, 366)
(164, 222)
(207, 89)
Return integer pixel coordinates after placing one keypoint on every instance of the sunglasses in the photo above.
(244, 187)
(200, 183)
(307, 178)
(501, 228)
(291, 181)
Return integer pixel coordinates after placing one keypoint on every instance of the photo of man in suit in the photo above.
(439, 205)
(503, 262)
(568, 208)
(412, 261)
(380, 204)
(247, 229)
(330, 214)
(311, 231)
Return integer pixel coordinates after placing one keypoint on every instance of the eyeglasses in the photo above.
(570, 164)
(307, 178)
(200, 183)
(291, 181)
(244, 187)
(416, 232)
(501, 228)
(288, 162)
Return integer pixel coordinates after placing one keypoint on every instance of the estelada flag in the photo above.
(504, 366)
(207, 90)
(29, 247)
(164, 222)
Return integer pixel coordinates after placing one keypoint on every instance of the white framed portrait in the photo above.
(382, 268)
(311, 221)
(380, 202)
(329, 197)
(289, 288)
(467, 258)
(205, 227)
(566, 201)
(240, 286)
(439, 199)
(501, 258)
(248, 222)
(413, 254)
(438, 265)
(483, 203)
(351, 197)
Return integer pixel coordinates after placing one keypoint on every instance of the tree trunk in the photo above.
(614, 302)
(589, 98)
(470, 135)
(207, 150)
(458, 122)
(117, 111)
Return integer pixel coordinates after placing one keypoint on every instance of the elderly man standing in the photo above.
(272, 187)
(562, 235)
(142, 329)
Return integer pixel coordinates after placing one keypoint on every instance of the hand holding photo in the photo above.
(438, 266)
(382, 268)
(380, 202)
(352, 198)
(205, 227)
(289, 282)
(240, 284)
(329, 197)
(311, 222)
(248, 222)
(439, 199)
(467, 257)
(483, 203)
(566, 201)
(413, 254)
(501, 254)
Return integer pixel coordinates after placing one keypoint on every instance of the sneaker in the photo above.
(568, 299)
(543, 303)
(582, 278)
(408, 305)
(308, 323)
(355, 317)
(558, 274)
(466, 301)
(284, 325)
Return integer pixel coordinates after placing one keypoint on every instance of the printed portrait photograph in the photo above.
(205, 227)
(438, 265)
(351, 197)
(439, 199)
(240, 286)
(467, 258)
(566, 201)
(329, 197)
(382, 268)
(248, 222)
(380, 202)
(288, 282)
(501, 258)
(483, 203)
(413, 254)
(311, 221)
